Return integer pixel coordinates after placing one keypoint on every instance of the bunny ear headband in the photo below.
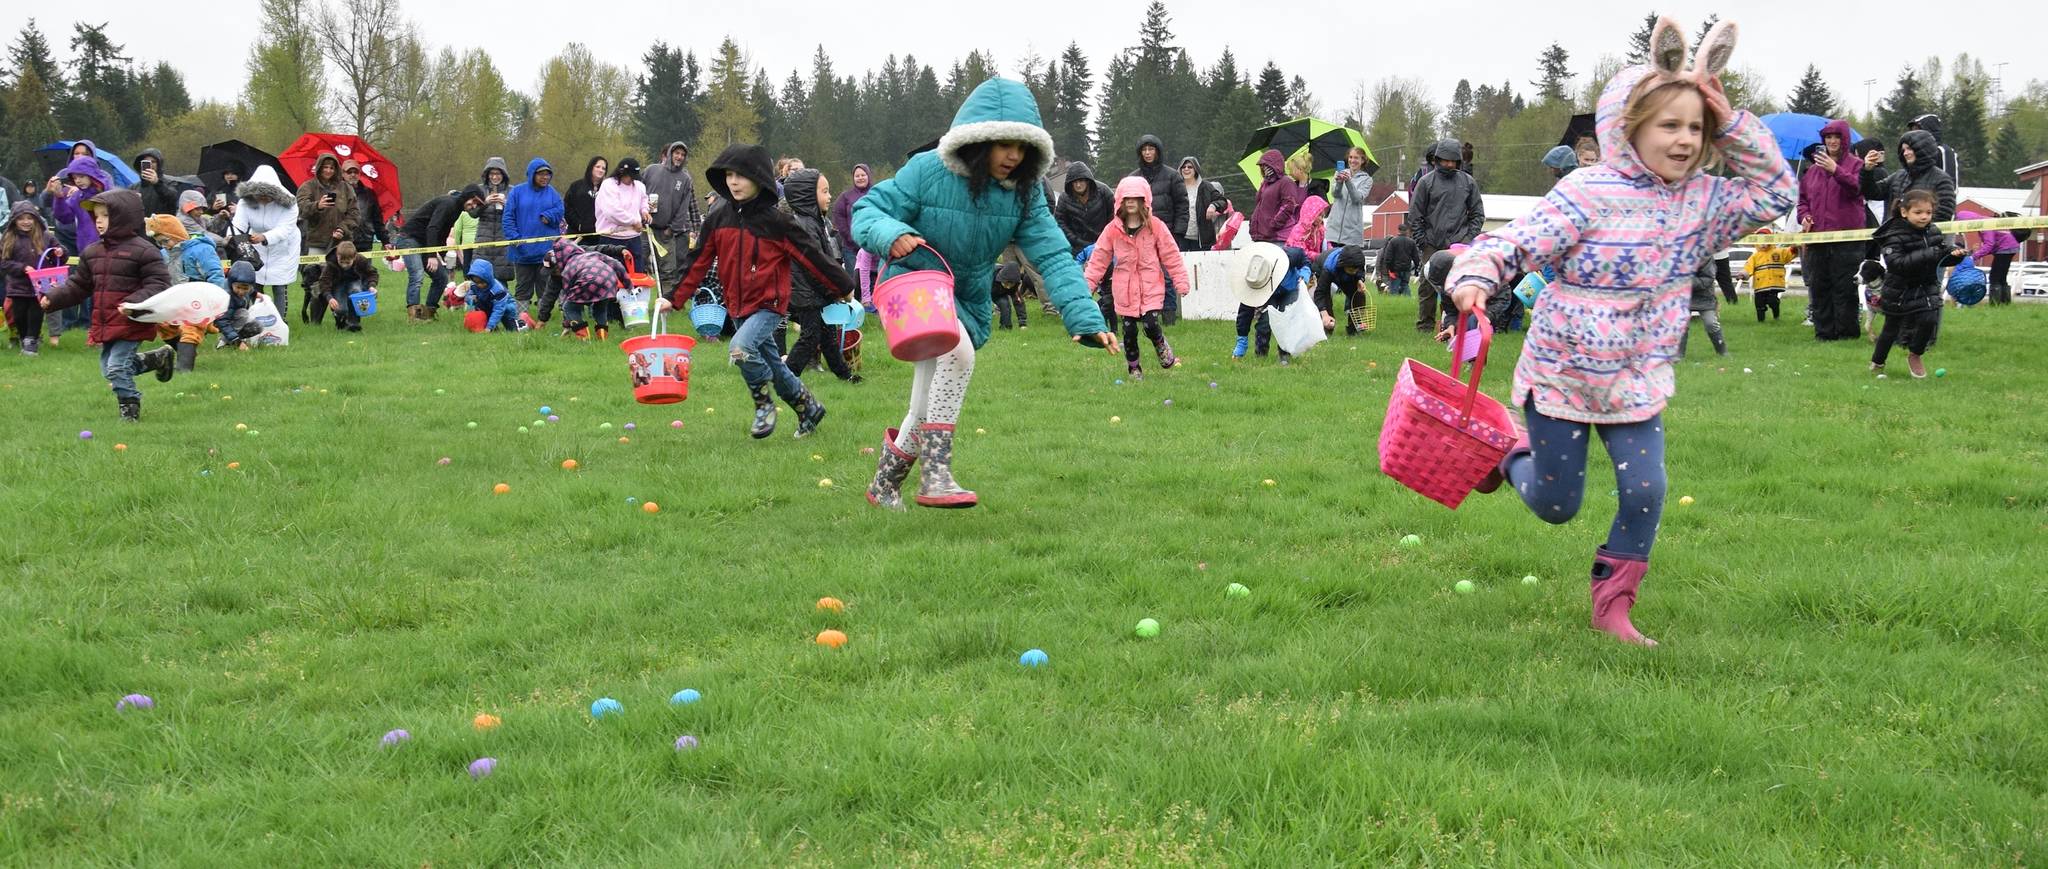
(1674, 61)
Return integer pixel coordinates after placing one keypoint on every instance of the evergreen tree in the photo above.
(930, 112)
(1639, 41)
(1301, 103)
(1459, 113)
(1237, 115)
(664, 99)
(30, 123)
(2008, 153)
(1963, 124)
(1700, 36)
(774, 125)
(1811, 96)
(1076, 83)
(1555, 65)
(32, 52)
(1272, 92)
(1902, 105)
(820, 131)
(729, 118)
(163, 93)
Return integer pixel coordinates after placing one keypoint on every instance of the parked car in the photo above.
(2030, 279)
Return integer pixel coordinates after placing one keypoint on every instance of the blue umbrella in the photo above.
(1796, 133)
(117, 169)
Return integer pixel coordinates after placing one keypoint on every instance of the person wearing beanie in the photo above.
(1561, 160)
(371, 226)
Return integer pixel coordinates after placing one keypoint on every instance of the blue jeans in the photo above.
(416, 273)
(593, 313)
(1552, 478)
(753, 350)
(117, 362)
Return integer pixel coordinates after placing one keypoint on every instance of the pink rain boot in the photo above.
(1614, 584)
(890, 472)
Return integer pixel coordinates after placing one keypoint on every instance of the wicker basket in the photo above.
(1442, 436)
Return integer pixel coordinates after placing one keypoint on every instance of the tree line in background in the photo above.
(363, 68)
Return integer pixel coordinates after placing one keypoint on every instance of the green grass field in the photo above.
(1851, 614)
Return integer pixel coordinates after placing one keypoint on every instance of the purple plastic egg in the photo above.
(554, 418)
(135, 701)
(629, 426)
(482, 766)
(686, 742)
(394, 738)
(85, 435)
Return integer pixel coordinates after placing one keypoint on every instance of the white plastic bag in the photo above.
(276, 332)
(193, 303)
(1300, 326)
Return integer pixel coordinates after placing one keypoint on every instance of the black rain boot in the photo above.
(809, 412)
(1720, 343)
(188, 355)
(764, 412)
(131, 410)
(158, 360)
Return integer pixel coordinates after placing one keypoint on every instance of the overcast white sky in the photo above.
(1482, 41)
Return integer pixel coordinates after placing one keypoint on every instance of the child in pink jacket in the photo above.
(1139, 253)
(1625, 237)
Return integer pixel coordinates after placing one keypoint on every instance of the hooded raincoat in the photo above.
(490, 219)
(679, 212)
(932, 199)
(318, 224)
(842, 208)
(161, 197)
(1447, 208)
(1169, 195)
(1082, 217)
(532, 210)
(1347, 208)
(1833, 200)
(1138, 263)
(1625, 244)
(268, 210)
(1923, 172)
(755, 245)
(1279, 200)
(69, 209)
(121, 267)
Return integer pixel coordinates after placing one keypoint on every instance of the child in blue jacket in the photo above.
(485, 294)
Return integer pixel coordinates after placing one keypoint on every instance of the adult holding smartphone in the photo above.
(327, 214)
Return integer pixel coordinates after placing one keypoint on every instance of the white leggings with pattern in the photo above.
(937, 389)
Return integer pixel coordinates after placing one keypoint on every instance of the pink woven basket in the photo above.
(1442, 436)
(47, 280)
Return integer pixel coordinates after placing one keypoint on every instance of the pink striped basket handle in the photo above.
(1478, 362)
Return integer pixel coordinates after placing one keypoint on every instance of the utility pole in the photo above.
(1998, 90)
(1868, 83)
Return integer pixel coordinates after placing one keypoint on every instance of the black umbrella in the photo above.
(240, 156)
(1581, 127)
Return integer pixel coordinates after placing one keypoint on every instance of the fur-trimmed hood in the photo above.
(263, 186)
(999, 110)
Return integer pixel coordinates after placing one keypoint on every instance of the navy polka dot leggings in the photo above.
(1552, 478)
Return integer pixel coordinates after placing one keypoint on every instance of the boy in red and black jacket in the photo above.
(124, 266)
(753, 245)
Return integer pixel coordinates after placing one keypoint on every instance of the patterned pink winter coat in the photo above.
(1603, 336)
(1138, 263)
(587, 276)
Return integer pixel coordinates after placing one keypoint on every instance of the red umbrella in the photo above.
(378, 172)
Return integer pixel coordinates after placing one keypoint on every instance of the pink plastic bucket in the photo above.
(917, 312)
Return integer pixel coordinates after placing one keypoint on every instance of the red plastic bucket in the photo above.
(917, 312)
(660, 365)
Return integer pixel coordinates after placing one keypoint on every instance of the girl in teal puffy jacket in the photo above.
(968, 199)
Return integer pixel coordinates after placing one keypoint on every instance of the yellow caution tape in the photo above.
(1953, 226)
